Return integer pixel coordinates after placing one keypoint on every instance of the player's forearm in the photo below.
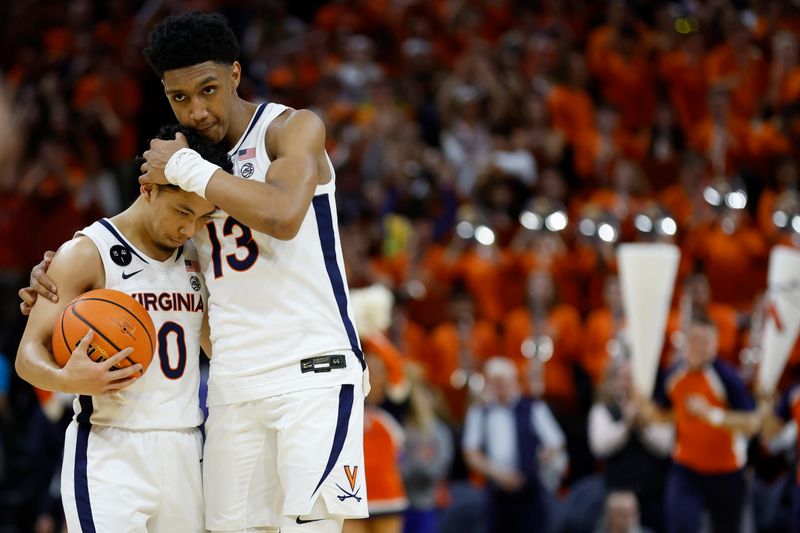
(268, 206)
(35, 365)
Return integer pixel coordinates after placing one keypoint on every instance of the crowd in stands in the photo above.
(490, 156)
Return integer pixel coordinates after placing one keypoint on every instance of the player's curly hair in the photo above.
(187, 39)
(213, 153)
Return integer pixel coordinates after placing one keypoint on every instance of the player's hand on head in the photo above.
(84, 376)
(157, 157)
(39, 284)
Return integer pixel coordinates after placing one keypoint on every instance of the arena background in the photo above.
(490, 157)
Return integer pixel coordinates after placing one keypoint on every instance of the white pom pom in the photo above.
(372, 307)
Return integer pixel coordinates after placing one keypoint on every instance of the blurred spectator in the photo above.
(714, 416)
(502, 441)
(621, 514)
(550, 332)
(427, 460)
(633, 450)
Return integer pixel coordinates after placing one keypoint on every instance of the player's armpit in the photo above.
(75, 269)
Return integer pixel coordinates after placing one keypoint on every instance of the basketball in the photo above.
(118, 322)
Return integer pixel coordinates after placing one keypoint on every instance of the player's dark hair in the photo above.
(187, 39)
(213, 153)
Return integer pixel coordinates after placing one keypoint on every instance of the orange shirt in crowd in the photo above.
(688, 92)
(736, 264)
(393, 360)
(571, 110)
(679, 204)
(699, 445)
(383, 444)
(484, 277)
(436, 272)
(745, 75)
(629, 85)
(599, 330)
(703, 137)
(563, 326)
(445, 345)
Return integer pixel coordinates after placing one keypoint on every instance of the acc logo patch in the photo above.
(247, 170)
(195, 282)
(120, 255)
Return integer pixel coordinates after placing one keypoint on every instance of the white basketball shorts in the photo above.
(277, 456)
(117, 480)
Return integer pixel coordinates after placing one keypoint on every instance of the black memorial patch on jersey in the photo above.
(120, 255)
(195, 282)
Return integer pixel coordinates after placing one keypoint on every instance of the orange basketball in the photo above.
(118, 321)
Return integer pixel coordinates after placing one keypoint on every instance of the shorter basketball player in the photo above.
(133, 450)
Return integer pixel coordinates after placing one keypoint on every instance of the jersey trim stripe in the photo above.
(253, 123)
(339, 435)
(327, 238)
(82, 501)
(119, 237)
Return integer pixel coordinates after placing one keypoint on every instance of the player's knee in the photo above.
(302, 524)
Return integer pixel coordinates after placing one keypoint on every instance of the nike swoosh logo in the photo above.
(126, 276)
(307, 521)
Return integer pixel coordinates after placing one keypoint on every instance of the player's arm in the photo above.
(75, 268)
(276, 207)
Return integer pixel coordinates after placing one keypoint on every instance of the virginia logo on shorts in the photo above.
(351, 479)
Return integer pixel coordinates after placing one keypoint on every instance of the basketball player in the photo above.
(714, 415)
(285, 394)
(132, 452)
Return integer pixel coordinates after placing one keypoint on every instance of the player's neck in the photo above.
(241, 113)
(131, 223)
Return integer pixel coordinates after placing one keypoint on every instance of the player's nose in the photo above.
(198, 112)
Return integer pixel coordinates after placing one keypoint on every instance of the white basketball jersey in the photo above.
(273, 303)
(172, 291)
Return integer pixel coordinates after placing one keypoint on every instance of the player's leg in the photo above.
(240, 482)
(106, 482)
(181, 506)
(684, 503)
(318, 520)
(321, 453)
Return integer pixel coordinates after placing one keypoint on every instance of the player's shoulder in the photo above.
(78, 260)
(79, 248)
(293, 125)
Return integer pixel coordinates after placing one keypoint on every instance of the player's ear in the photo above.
(236, 75)
(148, 191)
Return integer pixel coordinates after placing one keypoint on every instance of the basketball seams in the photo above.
(64, 333)
(144, 327)
(95, 329)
